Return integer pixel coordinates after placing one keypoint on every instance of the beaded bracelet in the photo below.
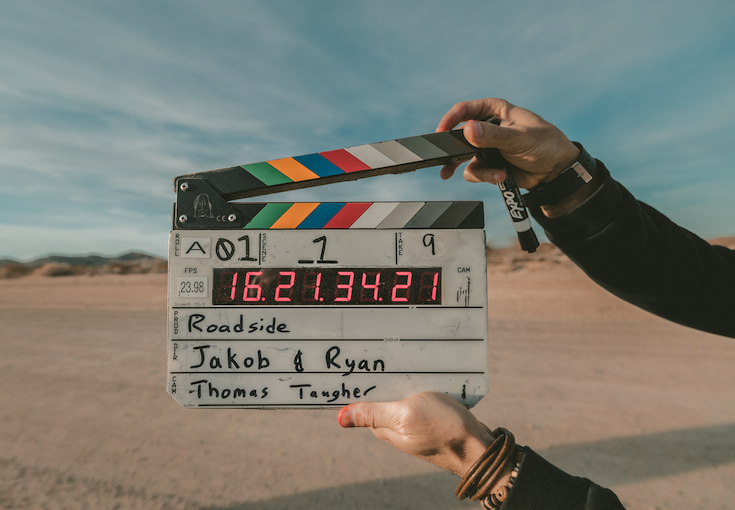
(493, 501)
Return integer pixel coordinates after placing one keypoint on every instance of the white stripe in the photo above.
(522, 226)
(375, 214)
(396, 152)
(401, 215)
(371, 156)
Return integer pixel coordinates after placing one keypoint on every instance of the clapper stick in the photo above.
(277, 175)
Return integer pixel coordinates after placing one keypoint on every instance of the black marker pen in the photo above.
(511, 195)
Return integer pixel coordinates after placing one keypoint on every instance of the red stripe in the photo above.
(348, 215)
(344, 160)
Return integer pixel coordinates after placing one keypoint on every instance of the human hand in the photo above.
(539, 149)
(430, 426)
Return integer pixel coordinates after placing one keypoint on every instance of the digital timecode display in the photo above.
(327, 286)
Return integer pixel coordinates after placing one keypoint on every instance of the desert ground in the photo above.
(601, 389)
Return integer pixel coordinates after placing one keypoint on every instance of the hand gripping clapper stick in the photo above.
(316, 305)
(511, 195)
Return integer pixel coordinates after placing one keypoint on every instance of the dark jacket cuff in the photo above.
(542, 485)
(587, 219)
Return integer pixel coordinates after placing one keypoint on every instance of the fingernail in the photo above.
(476, 129)
(345, 418)
(498, 176)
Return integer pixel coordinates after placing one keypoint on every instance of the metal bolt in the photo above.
(232, 218)
(184, 186)
(183, 218)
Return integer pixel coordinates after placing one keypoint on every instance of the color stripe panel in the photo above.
(248, 210)
(319, 165)
(295, 214)
(428, 214)
(401, 215)
(462, 215)
(268, 215)
(293, 169)
(364, 215)
(348, 215)
(449, 143)
(345, 161)
(370, 156)
(321, 215)
(396, 152)
(267, 174)
(422, 147)
(375, 214)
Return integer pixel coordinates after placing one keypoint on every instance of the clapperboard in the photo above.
(322, 304)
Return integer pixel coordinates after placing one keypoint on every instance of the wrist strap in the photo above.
(568, 182)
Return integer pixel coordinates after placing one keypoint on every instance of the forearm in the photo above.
(638, 254)
(541, 485)
(438, 429)
(511, 477)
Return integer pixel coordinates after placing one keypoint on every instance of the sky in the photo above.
(102, 104)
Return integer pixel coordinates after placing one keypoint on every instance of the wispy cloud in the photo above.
(101, 105)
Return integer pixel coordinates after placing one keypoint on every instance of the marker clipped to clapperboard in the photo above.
(318, 305)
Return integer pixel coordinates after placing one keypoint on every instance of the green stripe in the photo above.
(268, 215)
(267, 174)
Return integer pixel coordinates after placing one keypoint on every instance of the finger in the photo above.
(476, 109)
(366, 414)
(476, 172)
(487, 135)
(447, 171)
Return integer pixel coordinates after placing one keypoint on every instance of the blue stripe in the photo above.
(319, 165)
(321, 215)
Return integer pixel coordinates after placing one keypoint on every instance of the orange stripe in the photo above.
(293, 169)
(295, 214)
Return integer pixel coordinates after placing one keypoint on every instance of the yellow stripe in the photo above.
(295, 214)
(293, 169)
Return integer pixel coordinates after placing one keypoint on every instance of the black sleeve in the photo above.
(641, 256)
(542, 486)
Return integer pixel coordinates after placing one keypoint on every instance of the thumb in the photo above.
(485, 134)
(366, 414)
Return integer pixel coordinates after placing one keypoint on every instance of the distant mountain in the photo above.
(88, 260)
(62, 265)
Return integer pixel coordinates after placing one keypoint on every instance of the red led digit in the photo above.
(347, 286)
(401, 286)
(373, 286)
(234, 282)
(287, 286)
(315, 286)
(249, 286)
(433, 286)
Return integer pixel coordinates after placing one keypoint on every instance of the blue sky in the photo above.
(102, 104)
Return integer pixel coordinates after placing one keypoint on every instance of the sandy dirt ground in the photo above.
(596, 386)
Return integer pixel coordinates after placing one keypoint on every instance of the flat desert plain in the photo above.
(596, 386)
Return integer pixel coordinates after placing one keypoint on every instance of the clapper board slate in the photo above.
(318, 305)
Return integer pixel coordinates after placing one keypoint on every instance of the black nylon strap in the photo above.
(560, 188)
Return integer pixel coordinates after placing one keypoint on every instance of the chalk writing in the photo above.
(221, 392)
(215, 362)
(362, 365)
(197, 322)
(330, 395)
